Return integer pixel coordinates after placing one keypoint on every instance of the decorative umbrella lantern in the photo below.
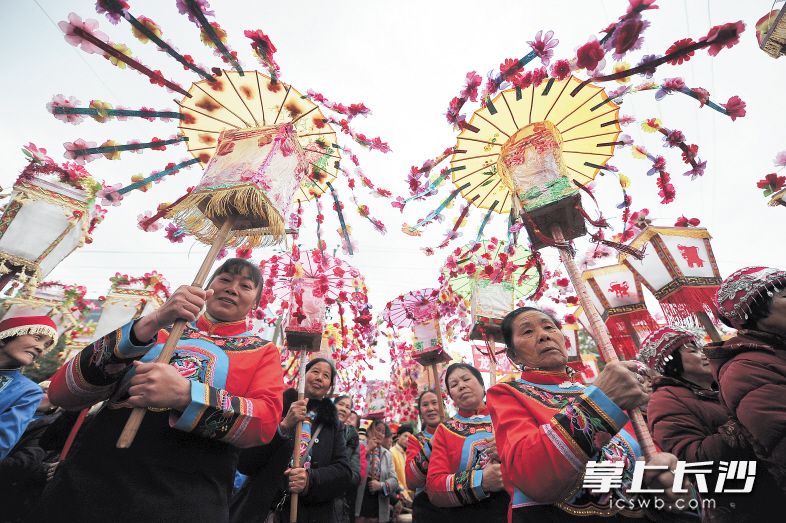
(617, 294)
(306, 321)
(54, 201)
(55, 300)
(376, 399)
(771, 32)
(247, 188)
(494, 275)
(420, 311)
(130, 298)
(679, 269)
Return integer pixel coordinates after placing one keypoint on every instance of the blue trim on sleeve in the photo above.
(477, 484)
(190, 417)
(599, 398)
(124, 348)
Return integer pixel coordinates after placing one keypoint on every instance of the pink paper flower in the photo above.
(113, 9)
(723, 36)
(780, 159)
(110, 196)
(174, 233)
(37, 154)
(627, 36)
(561, 69)
(142, 221)
(544, 45)
(72, 147)
(61, 101)
(72, 27)
(735, 108)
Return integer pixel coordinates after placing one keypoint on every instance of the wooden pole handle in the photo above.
(601, 335)
(301, 386)
(138, 414)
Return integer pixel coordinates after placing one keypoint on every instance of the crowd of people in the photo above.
(220, 430)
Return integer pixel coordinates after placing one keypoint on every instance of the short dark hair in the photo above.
(243, 267)
(330, 364)
(457, 366)
(507, 323)
(420, 397)
(404, 428)
(376, 422)
(341, 397)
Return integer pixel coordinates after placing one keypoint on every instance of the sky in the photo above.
(405, 60)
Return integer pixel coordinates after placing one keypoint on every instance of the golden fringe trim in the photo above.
(29, 329)
(199, 212)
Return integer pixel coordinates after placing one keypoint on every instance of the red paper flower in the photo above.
(771, 183)
(703, 95)
(735, 107)
(589, 55)
(723, 36)
(682, 221)
(676, 46)
(627, 35)
(561, 69)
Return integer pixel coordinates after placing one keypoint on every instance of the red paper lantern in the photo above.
(617, 295)
(679, 269)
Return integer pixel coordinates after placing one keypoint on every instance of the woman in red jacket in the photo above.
(750, 368)
(687, 419)
(418, 456)
(548, 426)
(464, 471)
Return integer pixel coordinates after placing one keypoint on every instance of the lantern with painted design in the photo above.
(56, 202)
(130, 298)
(617, 295)
(771, 32)
(679, 269)
(306, 321)
(54, 300)
(376, 396)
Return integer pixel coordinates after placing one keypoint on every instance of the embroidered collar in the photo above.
(545, 377)
(225, 328)
(468, 414)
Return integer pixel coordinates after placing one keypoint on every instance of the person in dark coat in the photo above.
(346, 506)
(750, 368)
(324, 474)
(686, 418)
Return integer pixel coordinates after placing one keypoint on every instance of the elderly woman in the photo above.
(687, 419)
(548, 426)
(464, 469)
(324, 473)
(750, 368)
(418, 455)
(220, 391)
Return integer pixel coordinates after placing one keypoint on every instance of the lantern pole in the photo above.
(301, 390)
(708, 326)
(601, 335)
(438, 390)
(138, 413)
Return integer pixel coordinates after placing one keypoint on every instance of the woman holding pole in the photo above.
(548, 426)
(221, 391)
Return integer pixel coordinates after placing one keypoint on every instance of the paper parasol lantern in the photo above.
(45, 300)
(376, 399)
(617, 295)
(771, 32)
(679, 269)
(130, 298)
(419, 311)
(306, 321)
(493, 275)
(253, 176)
(58, 213)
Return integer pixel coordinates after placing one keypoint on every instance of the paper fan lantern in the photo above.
(234, 102)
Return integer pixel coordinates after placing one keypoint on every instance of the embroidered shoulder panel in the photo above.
(465, 428)
(226, 343)
(546, 398)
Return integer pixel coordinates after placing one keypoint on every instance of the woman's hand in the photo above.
(297, 480)
(491, 452)
(185, 304)
(664, 479)
(374, 486)
(295, 414)
(492, 478)
(621, 382)
(158, 385)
